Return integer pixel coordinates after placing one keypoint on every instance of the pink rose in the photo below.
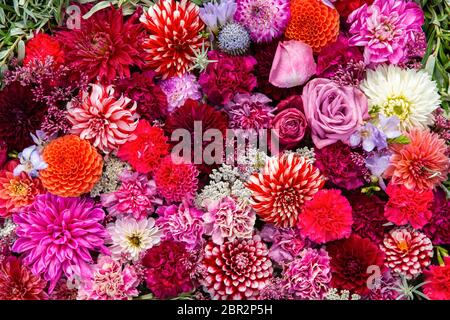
(290, 126)
(292, 65)
(333, 112)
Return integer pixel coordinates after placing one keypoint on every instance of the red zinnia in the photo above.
(350, 259)
(145, 148)
(42, 46)
(327, 217)
(408, 206)
(437, 281)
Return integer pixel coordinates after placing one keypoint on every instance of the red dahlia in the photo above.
(174, 29)
(350, 259)
(437, 281)
(280, 191)
(236, 270)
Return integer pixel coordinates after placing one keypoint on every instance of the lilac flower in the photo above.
(41, 138)
(215, 15)
(370, 136)
(390, 126)
(30, 162)
(377, 163)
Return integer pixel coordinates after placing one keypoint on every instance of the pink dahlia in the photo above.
(110, 280)
(102, 119)
(227, 76)
(385, 28)
(249, 111)
(168, 269)
(264, 19)
(326, 217)
(438, 228)
(225, 219)
(287, 243)
(105, 46)
(136, 196)
(308, 276)
(182, 223)
(437, 285)
(407, 251)
(408, 206)
(236, 270)
(17, 282)
(179, 89)
(55, 235)
(280, 191)
(176, 181)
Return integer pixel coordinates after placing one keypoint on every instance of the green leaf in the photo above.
(400, 140)
(99, 6)
(430, 64)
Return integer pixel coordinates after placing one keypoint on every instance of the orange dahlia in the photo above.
(422, 164)
(314, 23)
(74, 166)
(174, 29)
(286, 183)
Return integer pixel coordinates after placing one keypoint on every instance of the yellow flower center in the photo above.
(397, 106)
(17, 188)
(134, 240)
(403, 245)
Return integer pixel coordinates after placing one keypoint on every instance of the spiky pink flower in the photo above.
(102, 119)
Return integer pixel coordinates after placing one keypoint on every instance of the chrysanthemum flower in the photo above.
(420, 165)
(105, 45)
(408, 94)
(174, 28)
(179, 89)
(56, 234)
(313, 23)
(280, 191)
(264, 19)
(102, 119)
(74, 166)
(437, 286)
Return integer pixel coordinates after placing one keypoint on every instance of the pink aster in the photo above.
(56, 235)
(385, 28)
(136, 196)
(180, 89)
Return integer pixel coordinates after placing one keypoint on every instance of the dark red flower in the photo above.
(438, 229)
(3, 153)
(168, 269)
(42, 46)
(345, 7)
(350, 259)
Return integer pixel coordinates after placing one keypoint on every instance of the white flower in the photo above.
(408, 94)
(131, 237)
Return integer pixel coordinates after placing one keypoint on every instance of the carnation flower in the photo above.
(333, 112)
(326, 217)
(233, 39)
(102, 119)
(336, 163)
(281, 189)
(264, 19)
(145, 147)
(345, 7)
(174, 28)
(129, 238)
(42, 46)
(437, 285)
(169, 268)
(179, 89)
(176, 181)
(18, 283)
(287, 243)
(408, 206)
(150, 98)
(110, 280)
(308, 276)
(74, 166)
(225, 219)
(216, 14)
(420, 165)
(105, 46)
(55, 235)
(313, 23)
(410, 95)
(249, 111)
(236, 270)
(438, 228)
(350, 259)
(384, 28)
(16, 192)
(20, 114)
(408, 251)
(227, 76)
(136, 196)
(182, 223)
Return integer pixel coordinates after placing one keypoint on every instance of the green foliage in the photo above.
(128, 6)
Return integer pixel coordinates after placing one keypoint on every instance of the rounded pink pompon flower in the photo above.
(333, 112)
(136, 196)
(264, 19)
(385, 28)
(55, 235)
(180, 89)
(249, 111)
(103, 120)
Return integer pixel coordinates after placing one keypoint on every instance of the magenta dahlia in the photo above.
(55, 235)
(236, 270)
